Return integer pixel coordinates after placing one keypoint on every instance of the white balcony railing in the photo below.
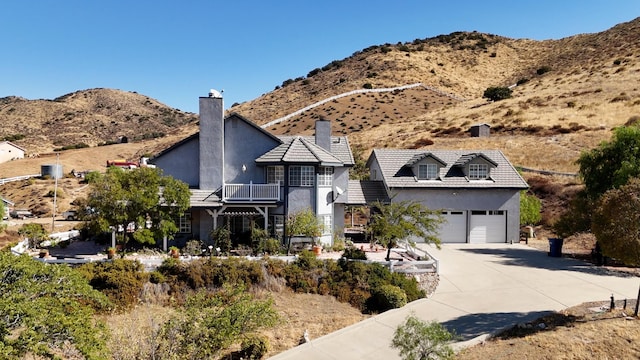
(251, 192)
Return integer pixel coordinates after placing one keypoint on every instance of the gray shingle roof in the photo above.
(363, 192)
(301, 149)
(396, 175)
(340, 147)
(466, 158)
(417, 157)
(204, 198)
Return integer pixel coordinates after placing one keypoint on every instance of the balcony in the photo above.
(251, 192)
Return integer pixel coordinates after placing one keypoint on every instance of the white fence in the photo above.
(18, 178)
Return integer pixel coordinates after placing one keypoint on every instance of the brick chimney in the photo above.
(211, 141)
(323, 134)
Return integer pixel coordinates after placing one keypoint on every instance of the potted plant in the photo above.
(315, 234)
(111, 252)
(174, 252)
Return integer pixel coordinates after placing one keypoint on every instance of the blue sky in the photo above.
(175, 51)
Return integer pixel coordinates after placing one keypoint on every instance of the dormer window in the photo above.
(427, 171)
(478, 171)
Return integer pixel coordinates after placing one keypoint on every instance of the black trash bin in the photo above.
(555, 247)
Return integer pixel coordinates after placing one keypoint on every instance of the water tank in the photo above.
(54, 171)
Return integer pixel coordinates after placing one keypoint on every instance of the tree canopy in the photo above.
(48, 310)
(612, 163)
(530, 207)
(609, 166)
(141, 202)
(616, 223)
(398, 220)
(303, 223)
(35, 232)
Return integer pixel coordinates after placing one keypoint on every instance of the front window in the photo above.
(478, 171)
(301, 175)
(427, 171)
(184, 223)
(275, 175)
(325, 176)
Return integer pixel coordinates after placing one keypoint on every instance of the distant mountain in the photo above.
(87, 118)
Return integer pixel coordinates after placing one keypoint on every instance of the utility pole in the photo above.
(55, 194)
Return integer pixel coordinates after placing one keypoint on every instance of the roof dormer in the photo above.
(476, 166)
(426, 166)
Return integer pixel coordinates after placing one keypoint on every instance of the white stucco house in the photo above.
(10, 151)
(477, 191)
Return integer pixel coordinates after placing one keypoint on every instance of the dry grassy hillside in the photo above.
(571, 93)
(90, 117)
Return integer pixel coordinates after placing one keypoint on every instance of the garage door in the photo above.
(488, 226)
(453, 230)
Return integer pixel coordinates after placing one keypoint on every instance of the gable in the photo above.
(394, 172)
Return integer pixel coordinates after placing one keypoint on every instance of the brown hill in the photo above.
(86, 118)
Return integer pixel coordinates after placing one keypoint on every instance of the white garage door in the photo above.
(454, 229)
(488, 226)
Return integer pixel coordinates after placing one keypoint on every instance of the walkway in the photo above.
(483, 288)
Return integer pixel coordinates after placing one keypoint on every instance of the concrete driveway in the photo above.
(483, 288)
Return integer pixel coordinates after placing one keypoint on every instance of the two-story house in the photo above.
(241, 176)
(477, 191)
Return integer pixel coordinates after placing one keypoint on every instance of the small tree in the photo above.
(34, 232)
(141, 202)
(46, 308)
(303, 223)
(398, 220)
(497, 93)
(419, 340)
(609, 166)
(530, 207)
(616, 223)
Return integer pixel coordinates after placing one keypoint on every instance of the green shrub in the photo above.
(338, 244)
(386, 297)
(272, 246)
(254, 348)
(222, 239)
(367, 86)
(121, 280)
(354, 253)
(156, 277)
(193, 248)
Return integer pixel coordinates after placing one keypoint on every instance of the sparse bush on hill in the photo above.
(497, 93)
(71, 147)
(543, 70)
(367, 86)
(14, 137)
